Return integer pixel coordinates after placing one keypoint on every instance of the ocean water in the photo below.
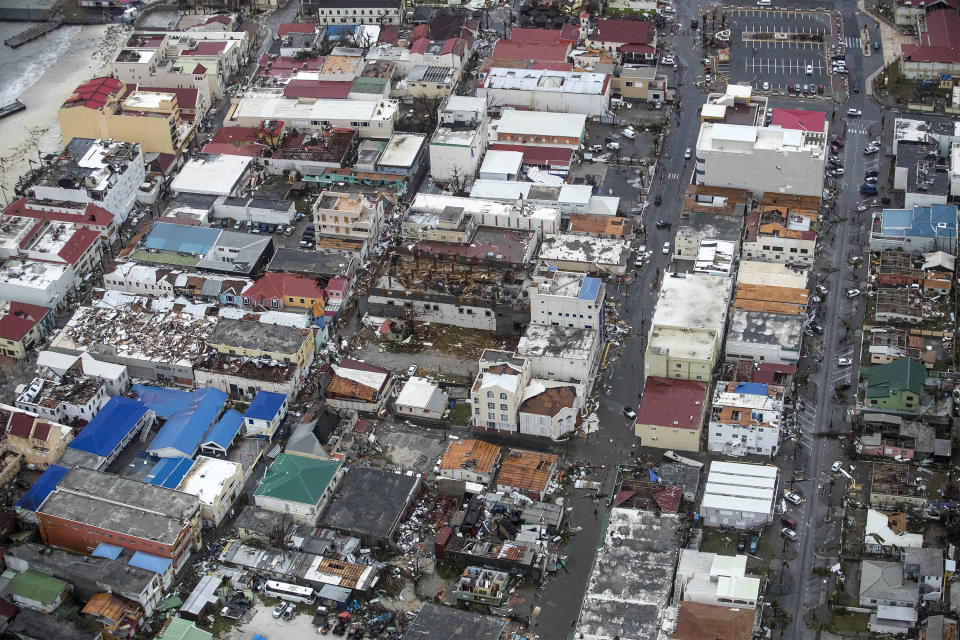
(22, 67)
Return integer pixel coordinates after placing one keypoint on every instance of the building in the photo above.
(38, 591)
(281, 290)
(922, 173)
(22, 327)
(539, 128)
(549, 409)
(631, 41)
(203, 248)
(216, 483)
(215, 175)
(695, 621)
(745, 419)
(631, 579)
(739, 496)
(176, 628)
(81, 215)
(925, 566)
(896, 387)
(764, 337)
(938, 53)
(459, 141)
(421, 398)
(456, 624)
(762, 159)
(883, 583)
(482, 585)
(91, 507)
(895, 486)
(118, 617)
(636, 82)
(355, 12)
(687, 327)
(779, 234)
(501, 165)
(41, 442)
(593, 225)
(498, 390)
(111, 109)
(715, 580)
(369, 504)
(567, 299)
(671, 414)
(564, 354)
(547, 90)
(265, 414)
(350, 216)
(916, 230)
(298, 486)
(109, 432)
(582, 254)
(430, 82)
(470, 460)
(453, 219)
(885, 533)
(371, 118)
(359, 386)
(529, 473)
(404, 155)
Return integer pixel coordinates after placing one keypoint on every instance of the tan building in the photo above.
(638, 83)
(22, 326)
(779, 234)
(470, 460)
(347, 215)
(106, 108)
(216, 483)
(41, 442)
(671, 414)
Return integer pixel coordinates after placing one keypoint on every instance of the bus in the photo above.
(291, 592)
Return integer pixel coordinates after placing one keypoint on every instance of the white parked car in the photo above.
(836, 466)
(613, 146)
(792, 497)
(766, 86)
(687, 153)
(666, 248)
(629, 133)
(844, 362)
(412, 371)
(853, 293)
(789, 534)
(854, 113)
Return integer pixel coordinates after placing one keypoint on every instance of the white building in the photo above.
(714, 579)
(221, 175)
(566, 299)
(66, 400)
(549, 409)
(539, 128)
(762, 159)
(880, 538)
(498, 390)
(547, 90)
(605, 256)
(373, 118)
(739, 496)
(377, 12)
(103, 172)
(427, 209)
(501, 165)
(114, 376)
(41, 283)
(216, 483)
(421, 398)
(459, 141)
(568, 198)
(265, 414)
(560, 353)
(745, 419)
(761, 336)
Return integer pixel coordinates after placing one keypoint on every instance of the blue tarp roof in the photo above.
(751, 388)
(182, 239)
(184, 430)
(226, 429)
(265, 405)
(46, 483)
(589, 288)
(169, 472)
(110, 426)
(149, 562)
(106, 550)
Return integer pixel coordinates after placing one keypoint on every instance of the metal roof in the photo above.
(41, 488)
(265, 405)
(169, 472)
(110, 426)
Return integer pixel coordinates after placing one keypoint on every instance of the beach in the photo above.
(43, 77)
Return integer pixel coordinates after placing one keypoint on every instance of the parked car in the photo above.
(764, 3)
(289, 611)
(820, 88)
(663, 224)
(789, 534)
(792, 497)
(766, 86)
(658, 105)
(657, 200)
(666, 248)
(868, 189)
(279, 609)
(876, 45)
(836, 466)
(822, 290)
(809, 69)
(629, 133)
(629, 413)
(271, 228)
(871, 179)
(817, 329)
(687, 153)
(844, 362)
(788, 521)
(238, 225)
(224, 223)
(871, 173)
(613, 146)
(754, 543)
(411, 371)
(741, 543)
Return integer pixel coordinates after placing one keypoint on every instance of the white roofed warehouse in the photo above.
(739, 496)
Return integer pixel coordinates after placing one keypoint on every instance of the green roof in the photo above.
(180, 629)
(369, 85)
(297, 479)
(903, 374)
(36, 586)
(164, 257)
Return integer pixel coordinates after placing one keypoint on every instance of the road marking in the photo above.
(673, 176)
(853, 43)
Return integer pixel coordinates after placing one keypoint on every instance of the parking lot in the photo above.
(778, 59)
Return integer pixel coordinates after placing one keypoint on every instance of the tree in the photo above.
(363, 40)
(281, 531)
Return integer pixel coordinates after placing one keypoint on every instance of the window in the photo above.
(503, 396)
(492, 416)
(491, 405)
(477, 411)
(503, 407)
(489, 394)
(504, 417)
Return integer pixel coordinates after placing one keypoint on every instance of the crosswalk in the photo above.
(853, 43)
(673, 176)
(858, 130)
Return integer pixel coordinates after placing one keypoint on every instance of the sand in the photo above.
(36, 130)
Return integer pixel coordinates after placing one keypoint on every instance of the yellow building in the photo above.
(41, 442)
(216, 483)
(108, 109)
(638, 83)
(251, 339)
(22, 326)
(671, 414)
(278, 290)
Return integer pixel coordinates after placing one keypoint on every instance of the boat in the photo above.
(12, 108)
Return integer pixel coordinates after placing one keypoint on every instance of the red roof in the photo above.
(510, 50)
(338, 284)
(317, 89)
(93, 215)
(636, 48)
(206, 48)
(199, 69)
(295, 27)
(678, 404)
(940, 43)
(764, 372)
(539, 156)
(164, 161)
(277, 286)
(799, 119)
(222, 18)
(624, 31)
(235, 134)
(454, 45)
(186, 97)
(356, 365)
(78, 243)
(20, 318)
(570, 33)
(668, 499)
(535, 35)
(550, 65)
(420, 45)
(420, 31)
(20, 425)
(389, 34)
(284, 66)
(94, 94)
(229, 149)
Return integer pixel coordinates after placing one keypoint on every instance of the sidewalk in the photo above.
(892, 43)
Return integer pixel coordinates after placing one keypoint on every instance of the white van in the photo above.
(764, 3)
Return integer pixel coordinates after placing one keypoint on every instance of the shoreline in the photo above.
(36, 131)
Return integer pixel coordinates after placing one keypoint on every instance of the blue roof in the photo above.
(110, 426)
(226, 429)
(165, 236)
(45, 484)
(265, 405)
(751, 388)
(107, 550)
(185, 429)
(169, 472)
(334, 31)
(150, 562)
(935, 221)
(164, 402)
(590, 288)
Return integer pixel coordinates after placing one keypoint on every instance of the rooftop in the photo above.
(297, 478)
(582, 249)
(217, 175)
(258, 337)
(369, 502)
(473, 455)
(672, 403)
(740, 487)
(583, 223)
(568, 343)
(541, 123)
(765, 328)
(696, 621)
(927, 171)
(527, 470)
(436, 621)
(548, 81)
(695, 301)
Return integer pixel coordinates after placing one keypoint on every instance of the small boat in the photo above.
(12, 108)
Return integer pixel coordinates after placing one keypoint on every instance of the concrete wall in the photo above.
(660, 437)
(448, 160)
